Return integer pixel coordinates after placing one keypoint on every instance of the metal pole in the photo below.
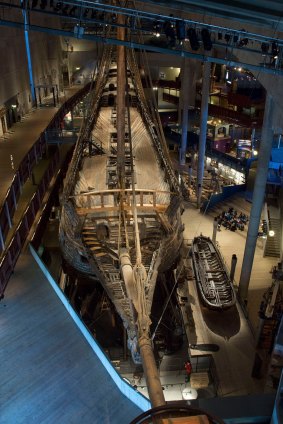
(203, 129)
(258, 198)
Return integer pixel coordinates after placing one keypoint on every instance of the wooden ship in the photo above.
(213, 282)
(121, 204)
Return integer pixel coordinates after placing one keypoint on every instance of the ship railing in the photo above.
(86, 128)
(110, 200)
(150, 115)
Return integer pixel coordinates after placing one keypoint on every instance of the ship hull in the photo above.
(122, 232)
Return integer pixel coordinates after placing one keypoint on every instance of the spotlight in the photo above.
(274, 49)
(85, 13)
(58, 6)
(73, 11)
(43, 4)
(207, 44)
(65, 9)
(180, 30)
(157, 27)
(227, 38)
(192, 36)
(243, 42)
(264, 48)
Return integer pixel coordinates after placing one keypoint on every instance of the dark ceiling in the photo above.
(261, 13)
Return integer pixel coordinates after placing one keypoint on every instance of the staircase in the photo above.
(273, 244)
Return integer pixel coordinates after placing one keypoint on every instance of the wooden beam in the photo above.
(127, 208)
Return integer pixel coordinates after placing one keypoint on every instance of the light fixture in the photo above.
(157, 26)
(243, 42)
(255, 152)
(180, 30)
(72, 11)
(205, 35)
(274, 49)
(264, 48)
(192, 36)
(43, 4)
(271, 233)
(227, 38)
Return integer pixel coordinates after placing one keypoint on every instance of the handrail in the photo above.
(86, 129)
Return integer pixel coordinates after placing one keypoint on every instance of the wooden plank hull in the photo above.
(213, 281)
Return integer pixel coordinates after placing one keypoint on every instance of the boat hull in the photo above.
(213, 282)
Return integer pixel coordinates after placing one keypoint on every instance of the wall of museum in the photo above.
(15, 92)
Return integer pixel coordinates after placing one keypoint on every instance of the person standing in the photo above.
(188, 368)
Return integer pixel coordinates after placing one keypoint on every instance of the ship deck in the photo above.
(97, 171)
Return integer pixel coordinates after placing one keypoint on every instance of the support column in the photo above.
(258, 198)
(30, 72)
(203, 128)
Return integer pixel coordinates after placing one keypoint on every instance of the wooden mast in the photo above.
(121, 109)
(133, 279)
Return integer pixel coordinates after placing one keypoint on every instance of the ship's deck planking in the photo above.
(49, 374)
